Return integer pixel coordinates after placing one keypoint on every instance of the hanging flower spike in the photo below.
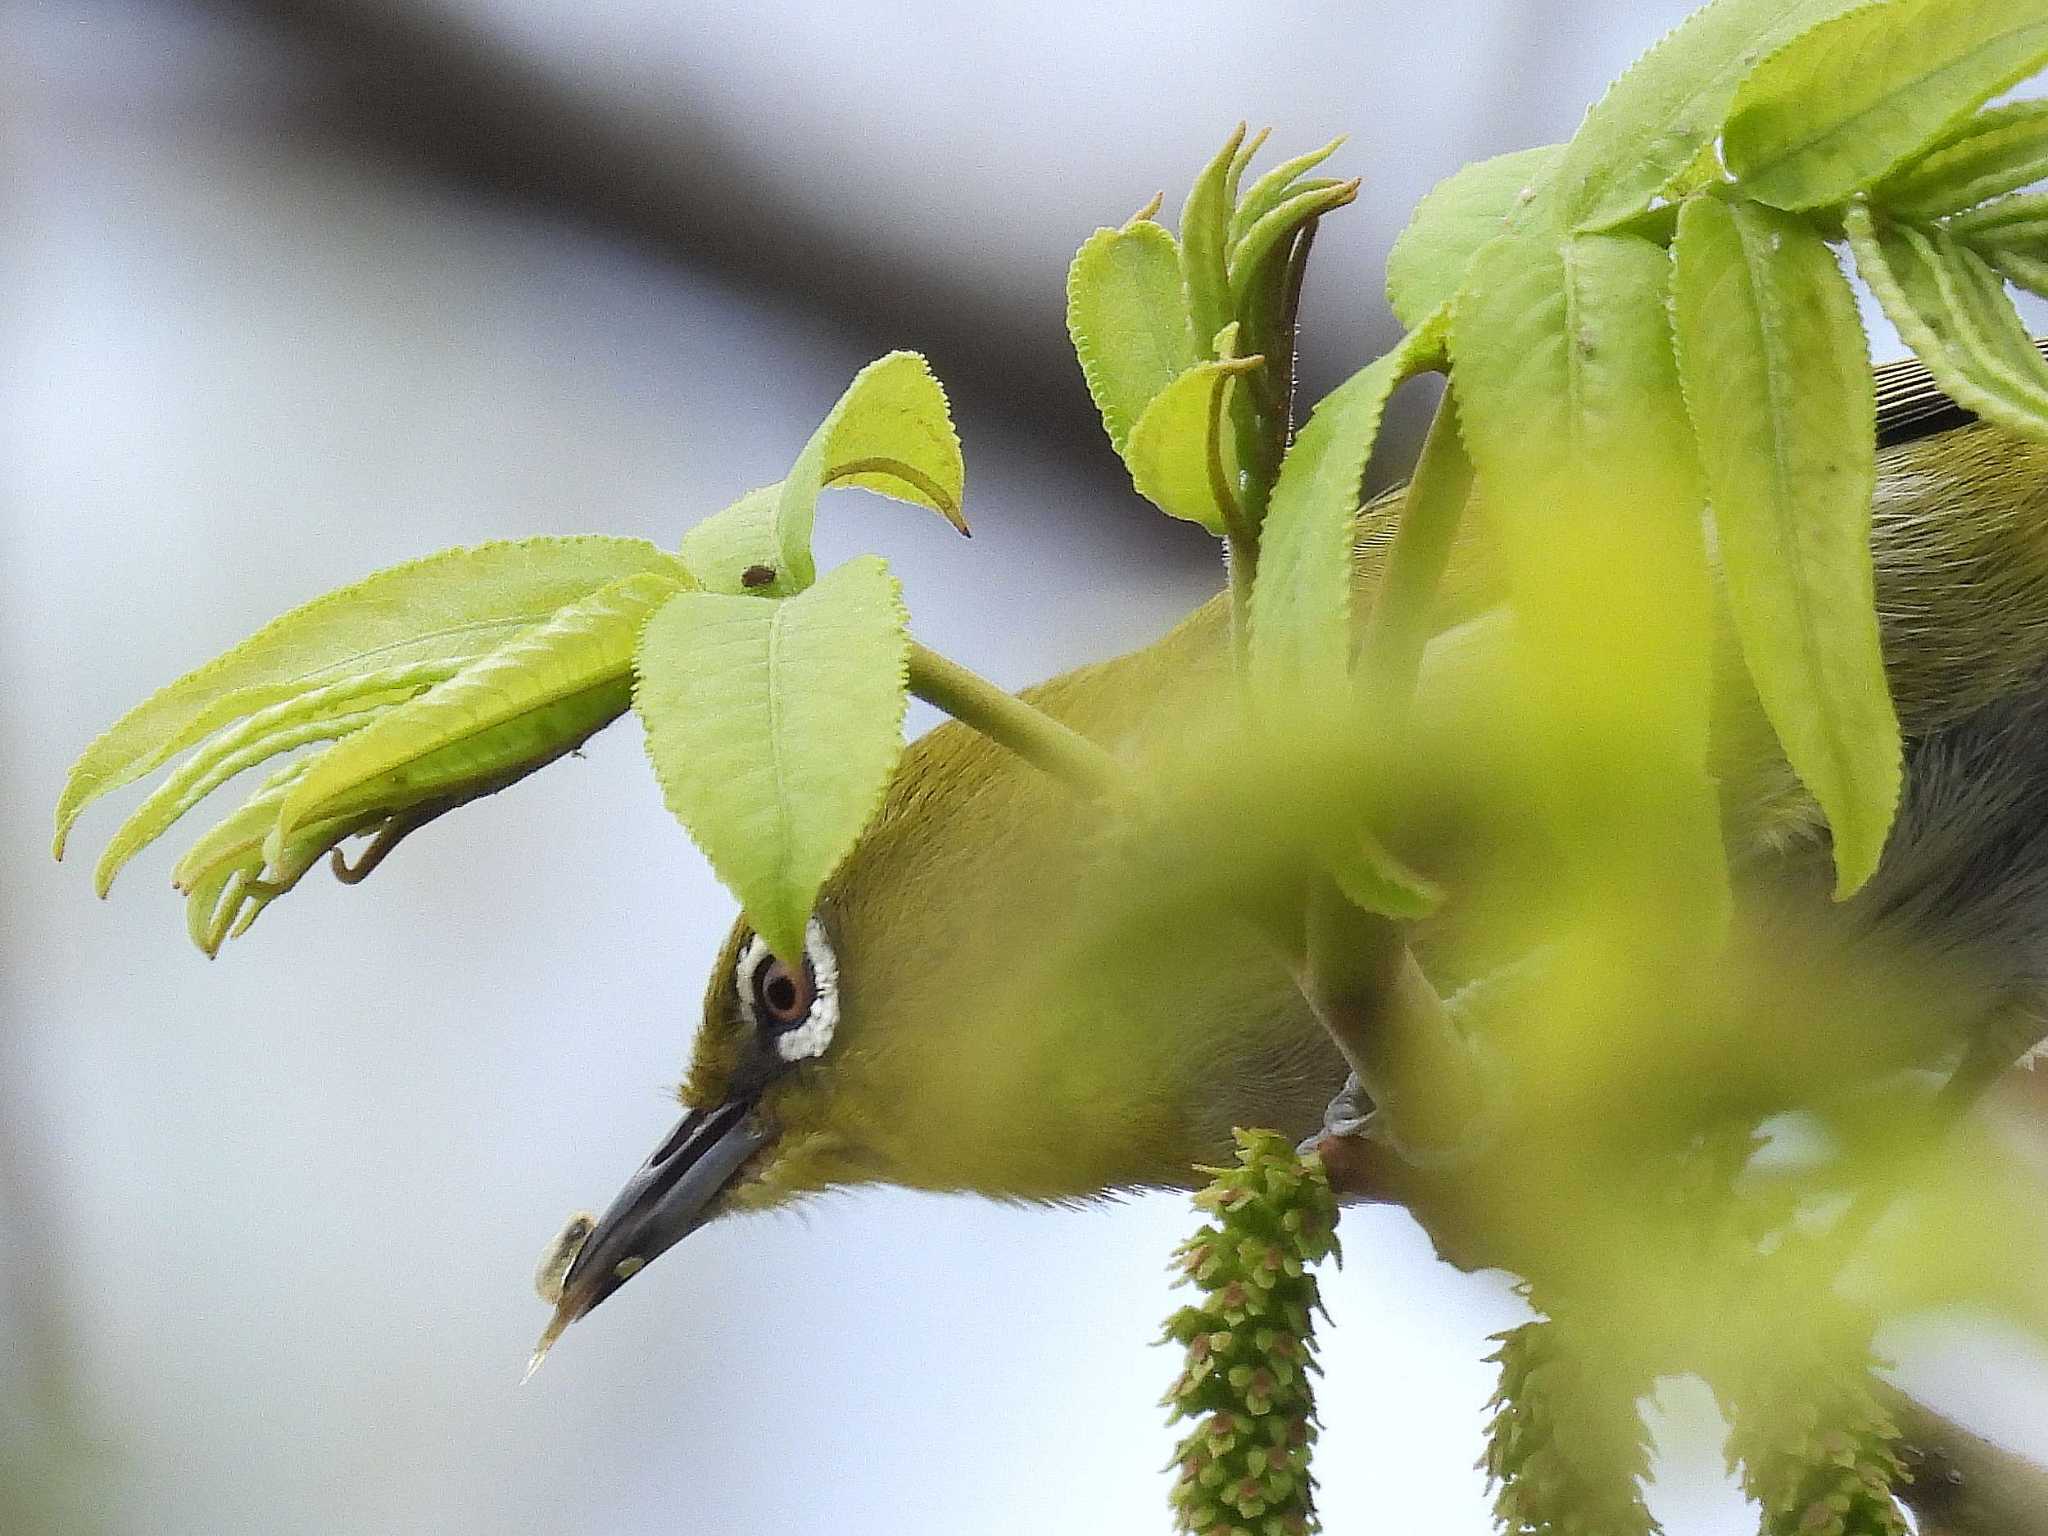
(1250, 1343)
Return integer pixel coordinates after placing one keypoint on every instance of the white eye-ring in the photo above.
(800, 1012)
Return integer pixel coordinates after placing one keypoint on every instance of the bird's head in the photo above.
(954, 1024)
(761, 1123)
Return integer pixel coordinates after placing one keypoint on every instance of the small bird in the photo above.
(915, 1046)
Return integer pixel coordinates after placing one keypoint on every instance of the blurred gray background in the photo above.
(292, 291)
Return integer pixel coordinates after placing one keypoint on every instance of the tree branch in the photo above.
(1963, 1484)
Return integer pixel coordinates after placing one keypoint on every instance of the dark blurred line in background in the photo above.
(446, 94)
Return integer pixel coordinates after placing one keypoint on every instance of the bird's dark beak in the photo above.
(667, 1200)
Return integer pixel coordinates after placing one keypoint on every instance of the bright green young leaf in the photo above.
(1275, 188)
(1990, 154)
(1670, 104)
(1205, 245)
(539, 695)
(1128, 318)
(2023, 265)
(1837, 110)
(1568, 393)
(1952, 311)
(264, 735)
(2021, 220)
(1300, 642)
(1777, 378)
(1182, 456)
(445, 608)
(1460, 214)
(773, 729)
(1269, 239)
(891, 433)
(2011, 235)
(739, 547)
(225, 877)
(1247, 151)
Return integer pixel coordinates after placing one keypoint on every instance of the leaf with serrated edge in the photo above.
(201, 776)
(1777, 380)
(2021, 220)
(1654, 120)
(1568, 396)
(1181, 454)
(530, 700)
(1249, 256)
(1986, 156)
(1128, 319)
(774, 728)
(1274, 188)
(1987, 322)
(1460, 214)
(1900, 264)
(1300, 641)
(1204, 247)
(448, 607)
(2023, 267)
(1834, 112)
(891, 432)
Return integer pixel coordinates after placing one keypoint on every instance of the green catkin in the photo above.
(1250, 1343)
(1815, 1448)
(1566, 1447)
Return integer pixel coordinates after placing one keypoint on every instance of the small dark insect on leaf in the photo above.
(757, 575)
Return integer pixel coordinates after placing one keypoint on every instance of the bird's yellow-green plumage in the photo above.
(954, 1066)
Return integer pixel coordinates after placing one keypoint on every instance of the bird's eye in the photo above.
(793, 1009)
(782, 997)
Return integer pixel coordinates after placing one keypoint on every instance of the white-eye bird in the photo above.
(885, 1060)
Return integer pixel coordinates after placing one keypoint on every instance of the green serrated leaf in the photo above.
(1986, 156)
(223, 875)
(537, 696)
(1951, 310)
(890, 433)
(1568, 394)
(1205, 245)
(1247, 151)
(1182, 455)
(2011, 235)
(1300, 641)
(1655, 120)
(2019, 220)
(449, 607)
(1460, 214)
(206, 771)
(1128, 318)
(1251, 256)
(1777, 379)
(1835, 111)
(2022, 266)
(774, 728)
(1275, 187)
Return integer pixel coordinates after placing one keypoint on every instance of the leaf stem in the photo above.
(1433, 1097)
(1007, 720)
(1398, 629)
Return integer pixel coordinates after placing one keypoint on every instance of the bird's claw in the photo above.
(1350, 1114)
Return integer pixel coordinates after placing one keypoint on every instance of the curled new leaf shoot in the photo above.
(890, 433)
(446, 608)
(407, 683)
